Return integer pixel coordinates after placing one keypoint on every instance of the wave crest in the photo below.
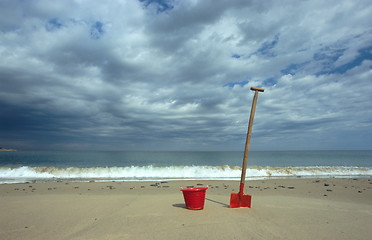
(137, 173)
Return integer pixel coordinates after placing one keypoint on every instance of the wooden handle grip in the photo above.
(257, 89)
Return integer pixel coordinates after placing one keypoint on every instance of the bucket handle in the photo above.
(186, 188)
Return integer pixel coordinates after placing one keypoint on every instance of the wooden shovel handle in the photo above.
(249, 133)
(257, 89)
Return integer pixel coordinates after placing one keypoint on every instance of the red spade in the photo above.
(240, 199)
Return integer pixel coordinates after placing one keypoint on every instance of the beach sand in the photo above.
(281, 209)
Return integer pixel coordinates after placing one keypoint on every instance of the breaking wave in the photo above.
(148, 173)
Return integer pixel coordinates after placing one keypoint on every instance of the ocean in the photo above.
(44, 166)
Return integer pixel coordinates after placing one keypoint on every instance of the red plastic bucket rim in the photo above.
(194, 189)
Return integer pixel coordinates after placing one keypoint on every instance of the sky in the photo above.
(175, 75)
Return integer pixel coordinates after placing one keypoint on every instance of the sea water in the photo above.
(41, 166)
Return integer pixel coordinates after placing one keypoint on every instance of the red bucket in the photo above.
(194, 197)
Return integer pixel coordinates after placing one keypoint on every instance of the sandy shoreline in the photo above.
(281, 209)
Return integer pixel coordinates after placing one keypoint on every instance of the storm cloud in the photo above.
(175, 75)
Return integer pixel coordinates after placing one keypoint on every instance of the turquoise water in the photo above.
(162, 159)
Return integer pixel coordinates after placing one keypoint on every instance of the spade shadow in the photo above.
(221, 203)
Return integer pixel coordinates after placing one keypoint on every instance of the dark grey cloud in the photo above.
(174, 75)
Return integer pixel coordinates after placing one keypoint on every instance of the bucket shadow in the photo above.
(183, 205)
(214, 201)
(179, 205)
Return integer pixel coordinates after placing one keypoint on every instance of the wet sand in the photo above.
(281, 209)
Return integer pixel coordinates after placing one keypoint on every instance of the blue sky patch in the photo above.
(328, 54)
(364, 54)
(236, 56)
(53, 24)
(161, 5)
(96, 31)
(269, 82)
(240, 83)
(267, 47)
(293, 68)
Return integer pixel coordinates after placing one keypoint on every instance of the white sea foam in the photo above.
(136, 173)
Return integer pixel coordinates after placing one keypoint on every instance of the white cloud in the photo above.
(130, 75)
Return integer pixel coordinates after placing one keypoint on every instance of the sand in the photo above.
(281, 209)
